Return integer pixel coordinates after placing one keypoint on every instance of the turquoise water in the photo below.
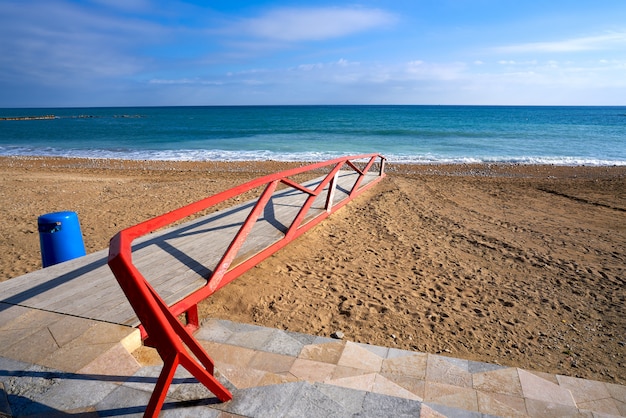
(423, 134)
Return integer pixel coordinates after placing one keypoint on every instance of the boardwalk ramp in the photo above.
(185, 261)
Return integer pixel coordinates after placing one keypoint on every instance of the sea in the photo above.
(567, 135)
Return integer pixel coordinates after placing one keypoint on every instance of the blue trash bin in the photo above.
(60, 237)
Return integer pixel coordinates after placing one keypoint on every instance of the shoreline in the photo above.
(435, 168)
(522, 265)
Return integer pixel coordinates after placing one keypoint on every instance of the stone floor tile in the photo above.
(276, 379)
(125, 401)
(213, 330)
(10, 367)
(69, 328)
(480, 367)
(76, 391)
(40, 344)
(104, 333)
(415, 386)
(380, 351)
(270, 362)
(448, 371)
(351, 400)
(584, 390)
(145, 379)
(600, 406)
(451, 395)
(9, 312)
(545, 409)
(341, 372)
(239, 327)
(312, 371)
(457, 362)
(304, 339)
(364, 382)
(386, 387)
(621, 407)
(178, 410)
(534, 387)
(282, 343)
(265, 401)
(310, 402)
(72, 357)
(617, 392)
(185, 387)
(395, 353)
(11, 336)
(545, 376)
(253, 339)
(505, 381)
(451, 412)
(403, 378)
(411, 366)
(499, 404)
(377, 405)
(212, 347)
(114, 362)
(32, 319)
(326, 353)
(322, 340)
(428, 412)
(27, 336)
(242, 377)
(229, 354)
(18, 337)
(357, 357)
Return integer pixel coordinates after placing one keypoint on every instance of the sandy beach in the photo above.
(511, 264)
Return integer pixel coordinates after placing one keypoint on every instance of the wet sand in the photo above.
(520, 265)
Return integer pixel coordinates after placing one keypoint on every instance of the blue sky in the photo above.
(150, 52)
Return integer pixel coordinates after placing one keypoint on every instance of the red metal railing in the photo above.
(160, 322)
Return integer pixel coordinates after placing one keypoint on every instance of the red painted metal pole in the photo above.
(309, 202)
(357, 184)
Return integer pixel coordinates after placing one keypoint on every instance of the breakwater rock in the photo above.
(42, 117)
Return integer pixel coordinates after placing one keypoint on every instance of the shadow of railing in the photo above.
(23, 381)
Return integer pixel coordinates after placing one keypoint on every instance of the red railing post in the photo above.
(295, 224)
(166, 333)
(241, 236)
(173, 341)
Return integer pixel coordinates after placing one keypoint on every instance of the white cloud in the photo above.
(314, 24)
(127, 5)
(435, 71)
(513, 62)
(180, 81)
(590, 43)
(56, 45)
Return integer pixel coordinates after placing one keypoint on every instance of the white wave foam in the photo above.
(265, 155)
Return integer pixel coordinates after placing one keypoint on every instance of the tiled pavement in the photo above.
(54, 364)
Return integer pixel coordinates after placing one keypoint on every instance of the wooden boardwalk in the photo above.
(176, 261)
